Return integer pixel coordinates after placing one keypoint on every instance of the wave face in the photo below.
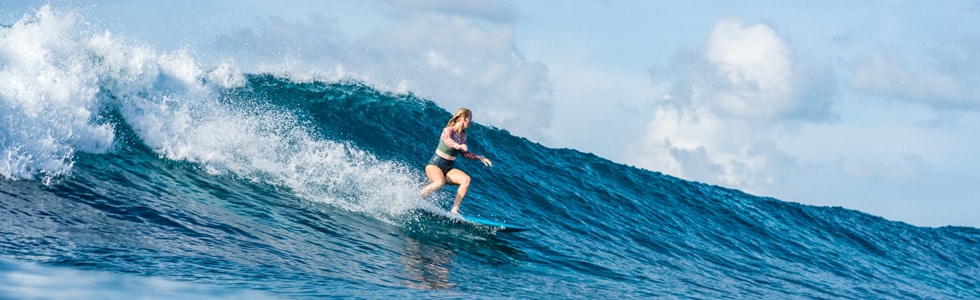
(132, 172)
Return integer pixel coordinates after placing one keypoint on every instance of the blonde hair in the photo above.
(459, 115)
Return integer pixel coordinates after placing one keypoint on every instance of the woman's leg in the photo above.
(458, 177)
(436, 179)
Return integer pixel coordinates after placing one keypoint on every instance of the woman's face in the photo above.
(466, 122)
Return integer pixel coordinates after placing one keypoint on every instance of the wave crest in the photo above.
(48, 102)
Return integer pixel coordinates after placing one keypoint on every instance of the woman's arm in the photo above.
(447, 138)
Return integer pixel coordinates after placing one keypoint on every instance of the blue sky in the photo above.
(869, 105)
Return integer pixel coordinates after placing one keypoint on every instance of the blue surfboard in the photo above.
(475, 221)
(500, 227)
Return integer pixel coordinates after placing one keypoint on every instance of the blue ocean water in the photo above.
(129, 174)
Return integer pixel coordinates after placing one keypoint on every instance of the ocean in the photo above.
(129, 174)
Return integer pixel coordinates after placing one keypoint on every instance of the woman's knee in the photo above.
(437, 184)
(457, 177)
(462, 179)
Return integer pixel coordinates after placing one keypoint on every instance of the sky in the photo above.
(867, 105)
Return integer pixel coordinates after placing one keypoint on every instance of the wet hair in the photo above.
(459, 115)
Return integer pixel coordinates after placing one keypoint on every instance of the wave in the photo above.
(121, 159)
(49, 99)
(173, 106)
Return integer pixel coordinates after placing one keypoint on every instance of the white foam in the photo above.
(48, 103)
(61, 76)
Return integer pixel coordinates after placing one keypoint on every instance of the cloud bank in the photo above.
(457, 54)
(725, 107)
(946, 80)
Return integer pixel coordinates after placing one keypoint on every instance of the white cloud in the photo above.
(750, 73)
(747, 111)
(459, 55)
(490, 10)
(946, 80)
(755, 70)
(727, 106)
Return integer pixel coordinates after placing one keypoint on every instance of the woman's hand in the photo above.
(486, 161)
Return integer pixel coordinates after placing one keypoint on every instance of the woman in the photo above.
(452, 143)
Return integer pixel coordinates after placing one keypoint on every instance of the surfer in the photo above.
(452, 143)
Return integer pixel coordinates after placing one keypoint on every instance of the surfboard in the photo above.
(476, 222)
(500, 227)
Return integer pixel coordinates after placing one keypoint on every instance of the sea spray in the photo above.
(60, 81)
(48, 97)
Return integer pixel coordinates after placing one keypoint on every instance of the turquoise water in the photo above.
(123, 180)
